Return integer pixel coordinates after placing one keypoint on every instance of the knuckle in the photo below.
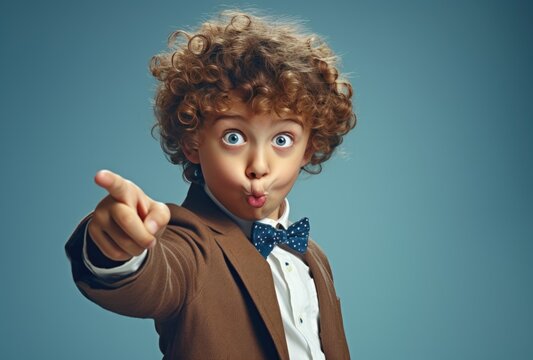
(125, 219)
(167, 213)
(141, 195)
(151, 242)
(94, 235)
(128, 184)
(127, 244)
(120, 186)
(102, 209)
(97, 213)
(116, 254)
(163, 212)
(115, 250)
(93, 232)
(144, 243)
(137, 252)
(108, 247)
(97, 220)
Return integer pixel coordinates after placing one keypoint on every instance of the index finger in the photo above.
(115, 185)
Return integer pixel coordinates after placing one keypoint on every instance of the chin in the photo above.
(253, 215)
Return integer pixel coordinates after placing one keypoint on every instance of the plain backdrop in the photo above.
(426, 217)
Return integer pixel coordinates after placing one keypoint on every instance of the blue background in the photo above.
(427, 218)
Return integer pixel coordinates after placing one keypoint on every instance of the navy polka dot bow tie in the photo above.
(265, 237)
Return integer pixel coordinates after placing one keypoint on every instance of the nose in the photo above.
(257, 164)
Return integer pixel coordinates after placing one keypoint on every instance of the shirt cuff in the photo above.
(115, 273)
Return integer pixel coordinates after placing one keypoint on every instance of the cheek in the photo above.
(220, 170)
(288, 174)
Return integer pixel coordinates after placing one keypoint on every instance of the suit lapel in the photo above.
(255, 273)
(251, 267)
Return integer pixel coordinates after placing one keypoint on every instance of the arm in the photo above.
(172, 273)
(120, 229)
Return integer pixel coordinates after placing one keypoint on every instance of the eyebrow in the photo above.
(230, 116)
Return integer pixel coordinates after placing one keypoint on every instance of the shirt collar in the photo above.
(246, 225)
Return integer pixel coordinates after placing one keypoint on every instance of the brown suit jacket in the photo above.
(209, 290)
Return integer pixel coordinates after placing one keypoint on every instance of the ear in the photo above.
(191, 154)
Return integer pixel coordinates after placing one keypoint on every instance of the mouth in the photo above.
(256, 200)
(256, 195)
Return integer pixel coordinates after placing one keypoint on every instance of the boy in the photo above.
(244, 105)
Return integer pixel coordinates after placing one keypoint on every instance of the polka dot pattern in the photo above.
(266, 237)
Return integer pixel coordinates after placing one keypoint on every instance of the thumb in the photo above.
(157, 218)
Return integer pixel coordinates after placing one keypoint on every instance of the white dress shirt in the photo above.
(295, 289)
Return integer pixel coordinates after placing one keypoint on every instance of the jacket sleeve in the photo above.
(172, 273)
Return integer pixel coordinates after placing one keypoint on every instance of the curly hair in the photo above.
(272, 64)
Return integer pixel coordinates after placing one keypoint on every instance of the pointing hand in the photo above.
(126, 221)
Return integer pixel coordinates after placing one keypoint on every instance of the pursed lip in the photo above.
(256, 201)
(255, 192)
(255, 195)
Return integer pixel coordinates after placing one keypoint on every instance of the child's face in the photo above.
(250, 161)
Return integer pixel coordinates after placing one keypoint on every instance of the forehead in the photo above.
(238, 110)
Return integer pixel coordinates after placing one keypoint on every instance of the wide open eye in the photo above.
(282, 140)
(233, 138)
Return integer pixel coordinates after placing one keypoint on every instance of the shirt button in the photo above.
(301, 320)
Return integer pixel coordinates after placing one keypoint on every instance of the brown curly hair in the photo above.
(272, 64)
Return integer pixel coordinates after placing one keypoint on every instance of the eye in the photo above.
(233, 138)
(282, 140)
